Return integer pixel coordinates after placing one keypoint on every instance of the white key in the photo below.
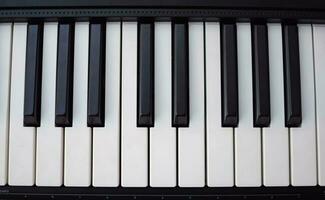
(220, 165)
(21, 139)
(191, 140)
(247, 138)
(303, 139)
(134, 164)
(106, 140)
(319, 59)
(49, 151)
(163, 136)
(276, 137)
(77, 160)
(5, 59)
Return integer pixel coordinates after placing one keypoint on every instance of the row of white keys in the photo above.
(247, 138)
(5, 60)
(49, 151)
(106, 140)
(77, 152)
(319, 59)
(303, 139)
(21, 139)
(134, 140)
(276, 137)
(104, 171)
(191, 140)
(220, 162)
(163, 136)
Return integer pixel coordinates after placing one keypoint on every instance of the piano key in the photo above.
(261, 82)
(180, 74)
(106, 140)
(49, 140)
(191, 140)
(292, 83)
(229, 78)
(96, 76)
(5, 55)
(247, 138)
(21, 139)
(64, 75)
(163, 136)
(220, 165)
(33, 75)
(145, 108)
(303, 139)
(134, 150)
(275, 137)
(77, 155)
(319, 59)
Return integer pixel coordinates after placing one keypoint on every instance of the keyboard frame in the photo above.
(33, 192)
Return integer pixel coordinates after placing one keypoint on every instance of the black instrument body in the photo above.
(270, 10)
(296, 11)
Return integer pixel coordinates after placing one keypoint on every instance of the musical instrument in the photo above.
(168, 99)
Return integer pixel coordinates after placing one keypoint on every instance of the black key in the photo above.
(261, 82)
(292, 92)
(33, 75)
(229, 76)
(180, 75)
(64, 75)
(96, 75)
(145, 108)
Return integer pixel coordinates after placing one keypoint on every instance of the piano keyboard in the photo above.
(162, 104)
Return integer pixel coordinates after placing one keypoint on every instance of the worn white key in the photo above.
(276, 137)
(191, 140)
(247, 138)
(21, 139)
(220, 165)
(134, 164)
(77, 157)
(319, 62)
(303, 139)
(106, 142)
(5, 59)
(162, 135)
(49, 151)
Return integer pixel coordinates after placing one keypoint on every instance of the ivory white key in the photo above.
(49, 151)
(191, 140)
(21, 139)
(319, 59)
(303, 139)
(5, 59)
(163, 136)
(247, 138)
(134, 164)
(77, 160)
(276, 137)
(220, 165)
(106, 154)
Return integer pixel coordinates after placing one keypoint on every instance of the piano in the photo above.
(152, 99)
